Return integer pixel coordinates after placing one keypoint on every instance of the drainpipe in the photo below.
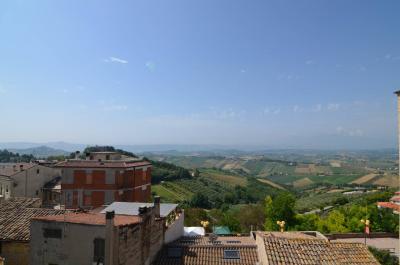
(109, 244)
(398, 125)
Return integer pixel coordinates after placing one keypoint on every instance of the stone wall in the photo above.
(15, 253)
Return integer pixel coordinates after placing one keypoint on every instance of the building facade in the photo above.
(27, 179)
(6, 184)
(93, 182)
(109, 238)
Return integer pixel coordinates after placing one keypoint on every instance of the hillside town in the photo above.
(99, 209)
(199, 132)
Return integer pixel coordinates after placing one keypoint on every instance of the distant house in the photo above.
(389, 205)
(51, 193)
(6, 184)
(97, 238)
(15, 215)
(27, 179)
(393, 204)
(104, 177)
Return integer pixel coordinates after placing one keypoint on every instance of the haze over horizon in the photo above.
(297, 74)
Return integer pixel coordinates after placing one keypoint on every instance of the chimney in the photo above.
(21, 167)
(109, 244)
(142, 210)
(157, 206)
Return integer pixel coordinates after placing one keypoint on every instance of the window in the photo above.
(231, 254)
(174, 252)
(68, 199)
(107, 157)
(233, 241)
(52, 233)
(99, 249)
(37, 171)
(6, 188)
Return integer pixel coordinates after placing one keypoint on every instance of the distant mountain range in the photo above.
(61, 148)
(40, 151)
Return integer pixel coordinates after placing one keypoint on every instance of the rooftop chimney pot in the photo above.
(142, 210)
(110, 215)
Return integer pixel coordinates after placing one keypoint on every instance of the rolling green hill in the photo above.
(218, 186)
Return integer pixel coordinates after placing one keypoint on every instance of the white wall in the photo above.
(175, 230)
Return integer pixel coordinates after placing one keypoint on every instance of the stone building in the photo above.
(173, 217)
(15, 215)
(27, 179)
(104, 177)
(97, 238)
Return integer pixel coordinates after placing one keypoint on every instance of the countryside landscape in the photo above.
(207, 132)
(327, 191)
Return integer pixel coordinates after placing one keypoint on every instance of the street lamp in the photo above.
(366, 228)
(281, 225)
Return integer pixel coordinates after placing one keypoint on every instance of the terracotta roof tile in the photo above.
(10, 169)
(15, 218)
(90, 219)
(199, 251)
(294, 251)
(389, 205)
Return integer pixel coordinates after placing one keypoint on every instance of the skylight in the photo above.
(231, 254)
(174, 252)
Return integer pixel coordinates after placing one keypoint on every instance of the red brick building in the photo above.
(104, 177)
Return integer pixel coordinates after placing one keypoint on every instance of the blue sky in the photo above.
(315, 74)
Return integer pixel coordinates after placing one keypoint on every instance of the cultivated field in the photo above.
(273, 184)
(364, 179)
(302, 183)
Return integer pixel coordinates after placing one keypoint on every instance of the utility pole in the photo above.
(398, 125)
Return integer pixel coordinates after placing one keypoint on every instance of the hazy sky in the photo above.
(270, 73)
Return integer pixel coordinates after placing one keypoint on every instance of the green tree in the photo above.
(278, 209)
(307, 222)
(269, 222)
(335, 223)
(384, 257)
(199, 200)
(193, 216)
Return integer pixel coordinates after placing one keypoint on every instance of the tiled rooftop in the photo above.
(15, 218)
(102, 164)
(389, 205)
(90, 219)
(293, 251)
(200, 251)
(9, 169)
